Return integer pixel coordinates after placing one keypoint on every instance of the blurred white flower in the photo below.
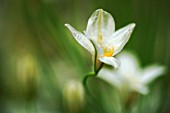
(130, 77)
(74, 96)
(101, 31)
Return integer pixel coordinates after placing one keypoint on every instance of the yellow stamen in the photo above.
(108, 51)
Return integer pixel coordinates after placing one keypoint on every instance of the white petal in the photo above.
(110, 61)
(152, 72)
(119, 38)
(142, 89)
(133, 83)
(130, 65)
(81, 39)
(100, 22)
(110, 76)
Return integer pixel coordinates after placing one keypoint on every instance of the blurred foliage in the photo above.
(38, 55)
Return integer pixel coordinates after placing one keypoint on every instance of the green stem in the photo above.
(90, 74)
(95, 70)
(101, 65)
(95, 56)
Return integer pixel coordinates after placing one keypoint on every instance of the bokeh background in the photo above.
(40, 60)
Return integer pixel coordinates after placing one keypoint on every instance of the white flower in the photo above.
(73, 94)
(130, 76)
(101, 32)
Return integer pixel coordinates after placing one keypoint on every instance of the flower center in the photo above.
(108, 51)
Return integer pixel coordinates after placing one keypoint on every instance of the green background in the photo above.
(33, 31)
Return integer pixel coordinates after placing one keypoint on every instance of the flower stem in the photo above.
(95, 56)
(95, 70)
(90, 74)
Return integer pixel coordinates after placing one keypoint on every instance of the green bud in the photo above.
(73, 96)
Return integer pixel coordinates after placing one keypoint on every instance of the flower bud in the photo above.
(73, 96)
(26, 75)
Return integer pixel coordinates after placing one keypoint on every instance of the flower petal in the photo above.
(111, 77)
(130, 65)
(152, 72)
(100, 23)
(141, 89)
(81, 39)
(119, 38)
(110, 61)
